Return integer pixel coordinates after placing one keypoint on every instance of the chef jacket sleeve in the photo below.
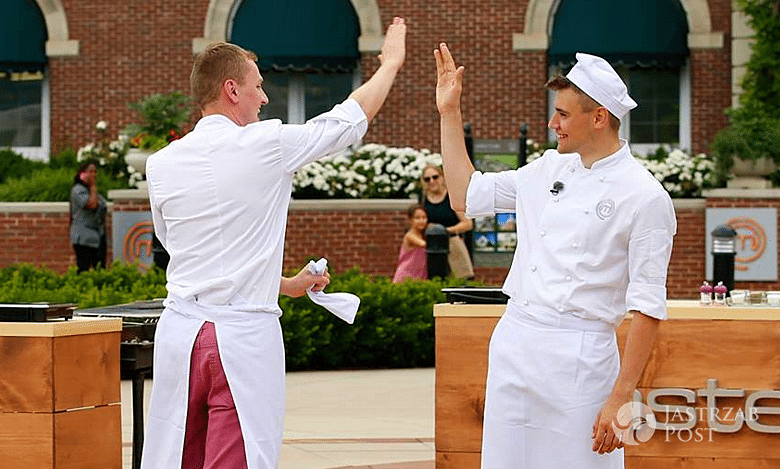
(649, 250)
(323, 135)
(489, 193)
(157, 218)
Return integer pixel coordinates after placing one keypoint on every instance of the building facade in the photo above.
(67, 64)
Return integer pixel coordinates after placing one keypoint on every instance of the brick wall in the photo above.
(363, 233)
(133, 48)
(127, 50)
(37, 233)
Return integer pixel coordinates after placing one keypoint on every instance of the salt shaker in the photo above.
(720, 293)
(706, 293)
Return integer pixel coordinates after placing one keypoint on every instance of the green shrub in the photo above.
(119, 284)
(14, 165)
(50, 185)
(393, 328)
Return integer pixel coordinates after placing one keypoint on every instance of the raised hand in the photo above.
(394, 47)
(449, 80)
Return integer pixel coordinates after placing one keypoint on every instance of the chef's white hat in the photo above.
(596, 77)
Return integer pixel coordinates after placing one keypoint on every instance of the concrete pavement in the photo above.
(365, 419)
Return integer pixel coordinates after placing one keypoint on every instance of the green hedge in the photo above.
(23, 180)
(393, 328)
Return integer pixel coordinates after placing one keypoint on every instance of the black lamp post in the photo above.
(723, 253)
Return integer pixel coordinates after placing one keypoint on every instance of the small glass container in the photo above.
(706, 293)
(720, 294)
(773, 298)
(739, 297)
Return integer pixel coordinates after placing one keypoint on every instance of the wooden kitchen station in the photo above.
(711, 362)
(60, 394)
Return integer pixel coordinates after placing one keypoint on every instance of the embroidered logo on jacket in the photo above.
(605, 209)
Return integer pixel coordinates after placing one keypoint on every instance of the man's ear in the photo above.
(601, 118)
(230, 87)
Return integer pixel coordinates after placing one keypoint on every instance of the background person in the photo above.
(594, 239)
(437, 205)
(412, 259)
(219, 199)
(87, 219)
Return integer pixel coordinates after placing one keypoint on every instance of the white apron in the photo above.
(546, 384)
(252, 354)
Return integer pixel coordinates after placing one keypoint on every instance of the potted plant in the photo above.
(162, 119)
(748, 147)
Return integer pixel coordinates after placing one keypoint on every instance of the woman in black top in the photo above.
(436, 201)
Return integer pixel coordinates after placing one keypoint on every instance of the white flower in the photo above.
(101, 125)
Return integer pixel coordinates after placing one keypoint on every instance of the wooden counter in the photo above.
(738, 347)
(60, 394)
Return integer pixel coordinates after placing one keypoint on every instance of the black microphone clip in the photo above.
(557, 187)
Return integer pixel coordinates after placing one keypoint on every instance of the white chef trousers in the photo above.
(548, 377)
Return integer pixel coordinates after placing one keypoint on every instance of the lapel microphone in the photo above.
(557, 187)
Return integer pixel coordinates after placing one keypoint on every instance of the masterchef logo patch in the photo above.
(605, 209)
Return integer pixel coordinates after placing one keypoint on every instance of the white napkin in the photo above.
(343, 305)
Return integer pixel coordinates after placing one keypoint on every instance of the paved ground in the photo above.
(368, 419)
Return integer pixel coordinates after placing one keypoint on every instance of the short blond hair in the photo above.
(219, 62)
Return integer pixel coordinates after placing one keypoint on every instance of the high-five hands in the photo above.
(394, 47)
(449, 81)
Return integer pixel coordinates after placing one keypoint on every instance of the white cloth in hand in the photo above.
(343, 305)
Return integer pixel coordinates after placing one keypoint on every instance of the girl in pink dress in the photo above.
(412, 260)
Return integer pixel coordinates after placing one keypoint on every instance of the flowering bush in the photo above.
(108, 155)
(681, 174)
(370, 171)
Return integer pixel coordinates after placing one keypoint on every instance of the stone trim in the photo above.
(742, 193)
(705, 40)
(59, 43)
(62, 48)
(40, 207)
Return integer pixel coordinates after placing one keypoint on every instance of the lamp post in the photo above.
(437, 247)
(723, 253)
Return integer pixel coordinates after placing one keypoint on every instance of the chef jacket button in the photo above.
(568, 278)
(575, 245)
(601, 179)
(556, 200)
(571, 170)
(560, 309)
(587, 211)
(533, 268)
(541, 233)
(525, 302)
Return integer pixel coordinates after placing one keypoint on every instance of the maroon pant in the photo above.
(213, 438)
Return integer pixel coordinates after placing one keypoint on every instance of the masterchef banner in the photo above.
(756, 243)
(132, 237)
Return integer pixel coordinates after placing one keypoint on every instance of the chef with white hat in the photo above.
(594, 231)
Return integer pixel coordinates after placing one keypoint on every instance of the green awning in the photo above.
(629, 32)
(23, 37)
(299, 35)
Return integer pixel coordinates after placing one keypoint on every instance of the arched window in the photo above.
(307, 53)
(23, 85)
(646, 42)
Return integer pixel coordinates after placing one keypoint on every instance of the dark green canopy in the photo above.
(630, 32)
(23, 37)
(299, 35)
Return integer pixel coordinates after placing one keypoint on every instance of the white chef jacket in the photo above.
(597, 249)
(219, 198)
(585, 256)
